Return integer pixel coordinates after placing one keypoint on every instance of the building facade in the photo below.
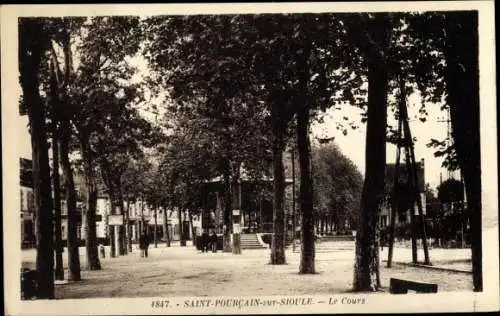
(401, 217)
(141, 215)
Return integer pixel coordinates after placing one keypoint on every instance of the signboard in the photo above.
(236, 228)
(236, 212)
(115, 220)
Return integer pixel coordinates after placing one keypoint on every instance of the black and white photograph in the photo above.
(249, 158)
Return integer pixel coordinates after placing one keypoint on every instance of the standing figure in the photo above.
(144, 244)
(213, 241)
(204, 241)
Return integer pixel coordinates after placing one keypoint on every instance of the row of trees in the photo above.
(75, 79)
(239, 87)
(337, 189)
(296, 65)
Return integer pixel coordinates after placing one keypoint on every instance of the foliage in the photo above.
(450, 190)
(210, 89)
(338, 184)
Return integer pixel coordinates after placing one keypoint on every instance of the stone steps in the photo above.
(250, 241)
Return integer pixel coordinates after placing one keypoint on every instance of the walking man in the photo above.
(204, 241)
(144, 244)
(213, 241)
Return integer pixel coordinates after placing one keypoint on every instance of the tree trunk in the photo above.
(128, 227)
(192, 228)
(308, 253)
(323, 224)
(235, 205)
(122, 228)
(30, 54)
(182, 241)
(165, 227)
(123, 240)
(116, 240)
(112, 228)
(394, 204)
(59, 272)
(226, 237)
(462, 80)
(142, 228)
(366, 270)
(278, 237)
(137, 231)
(155, 237)
(93, 262)
(73, 249)
(115, 210)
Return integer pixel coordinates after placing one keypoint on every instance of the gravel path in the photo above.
(182, 271)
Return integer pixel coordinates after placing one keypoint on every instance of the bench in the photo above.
(399, 286)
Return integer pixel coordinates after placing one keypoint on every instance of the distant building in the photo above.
(28, 233)
(138, 212)
(165, 218)
(256, 203)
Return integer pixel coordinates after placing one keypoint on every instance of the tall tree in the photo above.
(63, 31)
(121, 139)
(308, 74)
(33, 42)
(69, 184)
(222, 67)
(65, 114)
(59, 272)
(206, 80)
(462, 82)
(376, 32)
(452, 67)
(102, 74)
(338, 185)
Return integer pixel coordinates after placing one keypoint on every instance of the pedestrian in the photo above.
(204, 241)
(144, 244)
(102, 250)
(213, 241)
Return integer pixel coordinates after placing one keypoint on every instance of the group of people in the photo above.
(208, 242)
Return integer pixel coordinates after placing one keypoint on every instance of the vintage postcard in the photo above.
(249, 158)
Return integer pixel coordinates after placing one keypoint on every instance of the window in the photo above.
(31, 201)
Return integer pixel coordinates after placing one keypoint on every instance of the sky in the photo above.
(353, 144)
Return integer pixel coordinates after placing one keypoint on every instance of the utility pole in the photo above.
(395, 192)
(447, 120)
(411, 167)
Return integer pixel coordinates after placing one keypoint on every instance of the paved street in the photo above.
(182, 271)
